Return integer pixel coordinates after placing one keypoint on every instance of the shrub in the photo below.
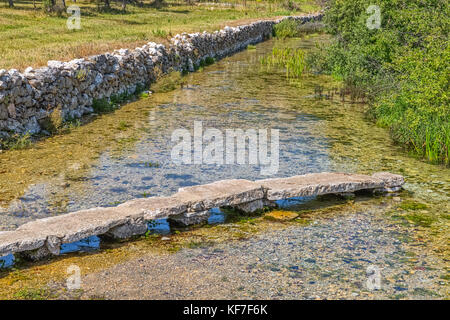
(403, 67)
(103, 105)
(287, 28)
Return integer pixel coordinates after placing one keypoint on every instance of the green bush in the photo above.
(403, 67)
(103, 106)
(287, 28)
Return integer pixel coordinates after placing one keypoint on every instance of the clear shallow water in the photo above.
(159, 226)
(232, 94)
(107, 161)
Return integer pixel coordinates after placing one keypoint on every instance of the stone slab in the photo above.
(16, 241)
(315, 184)
(79, 225)
(390, 180)
(156, 207)
(220, 193)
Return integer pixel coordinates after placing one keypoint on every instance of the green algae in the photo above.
(412, 205)
(420, 219)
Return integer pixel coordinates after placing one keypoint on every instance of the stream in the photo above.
(127, 154)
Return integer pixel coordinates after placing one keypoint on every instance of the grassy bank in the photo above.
(403, 66)
(31, 37)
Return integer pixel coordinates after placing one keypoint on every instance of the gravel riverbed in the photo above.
(328, 259)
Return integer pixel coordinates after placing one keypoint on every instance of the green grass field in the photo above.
(31, 37)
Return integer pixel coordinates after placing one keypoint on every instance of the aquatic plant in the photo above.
(18, 142)
(151, 164)
(169, 82)
(293, 60)
(33, 294)
(123, 125)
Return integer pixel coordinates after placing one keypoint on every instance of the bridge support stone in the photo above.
(51, 247)
(35, 255)
(135, 228)
(252, 206)
(189, 218)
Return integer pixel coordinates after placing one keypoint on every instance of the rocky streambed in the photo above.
(318, 248)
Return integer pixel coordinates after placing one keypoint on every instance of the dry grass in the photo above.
(31, 37)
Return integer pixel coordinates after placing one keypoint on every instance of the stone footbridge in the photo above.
(44, 237)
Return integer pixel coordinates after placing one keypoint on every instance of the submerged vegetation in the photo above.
(169, 82)
(403, 66)
(17, 142)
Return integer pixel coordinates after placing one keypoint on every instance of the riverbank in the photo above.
(43, 99)
(396, 55)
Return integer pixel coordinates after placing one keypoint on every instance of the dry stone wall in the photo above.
(28, 99)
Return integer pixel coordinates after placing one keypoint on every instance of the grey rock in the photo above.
(252, 206)
(35, 255)
(190, 218)
(12, 111)
(130, 229)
